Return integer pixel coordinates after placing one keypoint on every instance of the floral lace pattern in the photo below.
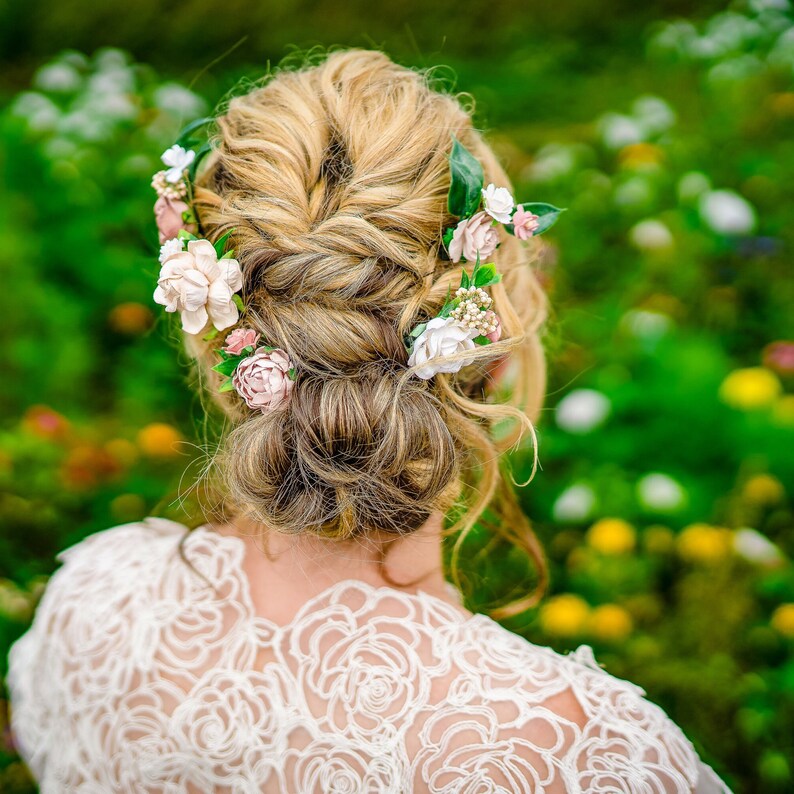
(137, 676)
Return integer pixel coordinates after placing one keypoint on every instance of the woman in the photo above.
(350, 270)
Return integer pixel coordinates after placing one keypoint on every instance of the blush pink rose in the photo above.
(496, 334)
(168, 215)
(472, 236)
(239, 339)
(262, 379)
(525, 223)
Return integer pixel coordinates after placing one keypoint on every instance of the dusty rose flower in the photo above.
(525, 223)
(472, 236)
(168, 214)
(443, 336)
(200, 286)
(239, 339)
(492, 318)
(263, 380)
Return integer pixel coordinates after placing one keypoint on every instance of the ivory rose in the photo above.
(499, 203)
(239, 339)
(525, 223)
(473, 236)
(263, 380)
(168, 215)
(200, 286)
(443, 336)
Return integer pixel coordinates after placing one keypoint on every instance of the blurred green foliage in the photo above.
(664, 498)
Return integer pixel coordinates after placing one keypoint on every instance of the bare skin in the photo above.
(286, 571)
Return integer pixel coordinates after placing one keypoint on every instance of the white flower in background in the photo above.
(692, 185)
(178, 100)
(200, 286)
(756, 548)
(654, 115)
(582, 411)
(499, 202)
(171, 247)
(84, 125)
(575, 503)
(40, 112)
(651, 235)
(617, 130)
(645, 324)
(657, 491)
(58, 78)
(635, 193)
(443, 336)
(726, 212)
(177, 159)
(552, 161)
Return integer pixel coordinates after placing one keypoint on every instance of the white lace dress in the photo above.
(138, 677)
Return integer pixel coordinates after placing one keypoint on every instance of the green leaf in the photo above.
(238, 302)
(291, 373)
(482, 340)
(229, 365)
(201, 153)
(486, 275)
(418, 330)
(547, 214)
(184, 235)
(186, 134)
(227, 385)
(464, 279)
(465, 189)
(220, 243)
(210, 335)
(229, 254)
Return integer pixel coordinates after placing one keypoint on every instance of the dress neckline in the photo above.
(328, 596)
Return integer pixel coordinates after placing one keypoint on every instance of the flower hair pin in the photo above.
(481, 210)
(263, 376)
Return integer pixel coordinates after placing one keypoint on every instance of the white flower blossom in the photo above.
(575, 503)
(443, 337)
(660, 492)
(200, 286)
(726, 212)
(177, 159)
(582, 411)
(171, 247)
(755, 548)
(651, 235)
(499, 203)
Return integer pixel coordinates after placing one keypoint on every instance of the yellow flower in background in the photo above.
(783, 620)
(763, 489)
(750, 388)
(610, 623)
(703, 543)
(564, 615)
(640, 155)
(612, 536)
(122, 450)
(159, 440)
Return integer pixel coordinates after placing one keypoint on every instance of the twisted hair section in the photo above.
(334, 178)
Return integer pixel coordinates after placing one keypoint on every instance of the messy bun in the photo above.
(334, 178)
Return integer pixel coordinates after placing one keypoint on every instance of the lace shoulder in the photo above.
(140, 675)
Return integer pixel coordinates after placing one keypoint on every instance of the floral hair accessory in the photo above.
(481, 210)
(465, 321)
(262, 376)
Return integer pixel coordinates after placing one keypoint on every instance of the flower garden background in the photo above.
(665, 495)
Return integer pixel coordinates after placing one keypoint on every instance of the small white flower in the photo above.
(582, 411)
(443, 337)
(692, 185)
(645, 324)
(58, 77)
(170, 247)
(200, 286)
(499, 203)
(617, 130)
(754, 547)
(659, 492)
(575, 503)
(727, 212)
(651, 235)
(177, 159)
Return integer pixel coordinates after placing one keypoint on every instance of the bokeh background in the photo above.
(666, 128)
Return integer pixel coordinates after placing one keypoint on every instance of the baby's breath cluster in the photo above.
(166, 189)
(472, 312)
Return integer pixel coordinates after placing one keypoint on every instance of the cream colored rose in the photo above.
(443, 337)
(472, 237)
(499, 203)
(199, 286)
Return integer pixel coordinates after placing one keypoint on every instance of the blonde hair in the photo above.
(334, 180)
